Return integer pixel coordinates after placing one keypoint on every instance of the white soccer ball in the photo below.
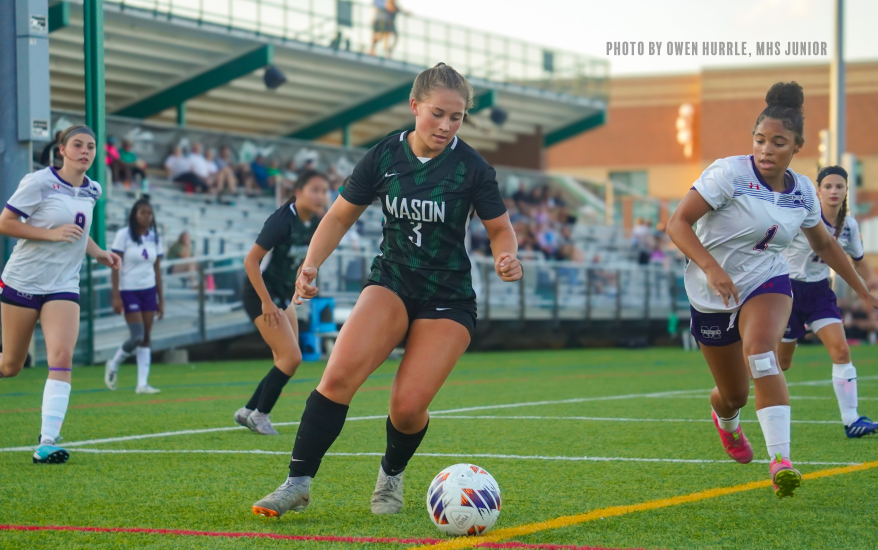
(463, 500)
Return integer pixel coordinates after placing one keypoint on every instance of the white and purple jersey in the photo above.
(748, 227)
(807, 266)
(138, 259)
(47, 201)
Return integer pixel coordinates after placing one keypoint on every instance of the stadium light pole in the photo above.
(837, 106)
(95, 117)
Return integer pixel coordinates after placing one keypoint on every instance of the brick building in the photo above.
(638, 145)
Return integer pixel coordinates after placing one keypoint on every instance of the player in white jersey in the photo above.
(747, 210)
(814, 303)
(41, 277)
(137, 291)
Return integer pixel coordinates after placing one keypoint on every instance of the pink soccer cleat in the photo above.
(735, 443)
(784, 478)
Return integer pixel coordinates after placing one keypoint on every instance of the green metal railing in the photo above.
(347, 25)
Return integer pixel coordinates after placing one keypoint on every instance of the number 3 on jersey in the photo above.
(417, 237)
(762, 245)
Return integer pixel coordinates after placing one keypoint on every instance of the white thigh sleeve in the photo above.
(764, 364)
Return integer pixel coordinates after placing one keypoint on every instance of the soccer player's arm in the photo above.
(117, 247)
(354, 198)
(273, 233)
(710, 192)
(22, 204)
(854, 248)
(492, 211)
(159, 288)
(825, 246)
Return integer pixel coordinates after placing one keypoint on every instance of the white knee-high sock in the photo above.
(56, 397)
(144, 359)
(775, 422)
(844, 382)
(120, 356)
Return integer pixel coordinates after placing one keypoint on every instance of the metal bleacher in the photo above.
(184, 71)
(211, 57)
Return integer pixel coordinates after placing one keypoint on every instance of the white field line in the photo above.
(454, 455)
(230, 428)
(680, 393)
(605, 419)
(169, 434)
(567, 401)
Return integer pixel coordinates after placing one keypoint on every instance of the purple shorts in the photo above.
(34, 301)
(136, 301)
(721, 329)
(811, 302)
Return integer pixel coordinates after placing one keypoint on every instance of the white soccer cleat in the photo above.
(387, 498)
(147, 390)
(110, 374)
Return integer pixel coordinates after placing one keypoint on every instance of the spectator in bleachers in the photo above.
(289, 173)
(521, 196)
(641, 240)
(309, 165)
(225, 179)
(179, 169)
(258, 181)
(336, 181)
(859, 324)
(120, 170)
(136, 167)
(182, 248)
(201, 167)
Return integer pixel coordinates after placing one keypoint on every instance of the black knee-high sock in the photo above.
(321, 423)
(275, 381)
(254, 400)
(400, 448)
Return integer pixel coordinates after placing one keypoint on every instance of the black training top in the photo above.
(427, 206)
(287, 237)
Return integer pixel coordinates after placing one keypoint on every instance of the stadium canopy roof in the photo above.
(156, 59)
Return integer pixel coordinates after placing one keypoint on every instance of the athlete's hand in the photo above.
(508, 267)
(271, 313)
(722, 285)
(160, 310)
(109, 259)
(118, 305)
(304, 289)
(66, 233)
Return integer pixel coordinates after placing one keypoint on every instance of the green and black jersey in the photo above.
(427, 205)
(287, 238)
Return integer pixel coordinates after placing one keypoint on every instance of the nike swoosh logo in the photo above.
(442, 308)
(386, 175)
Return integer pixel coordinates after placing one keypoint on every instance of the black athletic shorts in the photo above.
(459, 311)
(253, 304)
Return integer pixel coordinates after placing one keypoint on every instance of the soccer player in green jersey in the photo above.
(269, 287)
(419, 291)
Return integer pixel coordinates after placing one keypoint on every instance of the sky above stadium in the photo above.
(586, 26)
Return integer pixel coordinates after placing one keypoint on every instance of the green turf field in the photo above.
(581, 430)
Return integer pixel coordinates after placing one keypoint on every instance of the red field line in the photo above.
(303, 538)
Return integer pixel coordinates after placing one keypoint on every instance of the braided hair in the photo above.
(134, 229)
(843, 211)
